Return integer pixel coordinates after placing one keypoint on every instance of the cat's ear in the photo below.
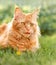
(35, 14)
(18, 13)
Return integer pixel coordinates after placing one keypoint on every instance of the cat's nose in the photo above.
(29, 32)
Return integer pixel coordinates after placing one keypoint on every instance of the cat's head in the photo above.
(25, 24)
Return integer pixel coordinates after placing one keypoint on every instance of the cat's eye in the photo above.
(31, 24)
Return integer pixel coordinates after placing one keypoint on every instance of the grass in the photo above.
(46, 55)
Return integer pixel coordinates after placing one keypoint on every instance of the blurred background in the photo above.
(46, 55)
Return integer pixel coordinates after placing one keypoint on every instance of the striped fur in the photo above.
(21, 33)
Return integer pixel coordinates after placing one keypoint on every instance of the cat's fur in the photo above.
(22, 32)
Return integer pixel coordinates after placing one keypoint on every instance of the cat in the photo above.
(22, 32)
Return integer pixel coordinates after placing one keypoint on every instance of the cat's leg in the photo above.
(3, 42)
(2, 28)
(35, 44)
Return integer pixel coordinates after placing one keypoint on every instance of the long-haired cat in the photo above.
(22, 32)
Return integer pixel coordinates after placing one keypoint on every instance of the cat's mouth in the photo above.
(27, 32)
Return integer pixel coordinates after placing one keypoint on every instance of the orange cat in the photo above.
(22, 32)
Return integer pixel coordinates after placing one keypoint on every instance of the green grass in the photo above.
(46, 55)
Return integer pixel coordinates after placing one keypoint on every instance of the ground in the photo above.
(46, 55)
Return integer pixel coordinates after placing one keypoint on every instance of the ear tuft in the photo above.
(17, 10)
(36, 12)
